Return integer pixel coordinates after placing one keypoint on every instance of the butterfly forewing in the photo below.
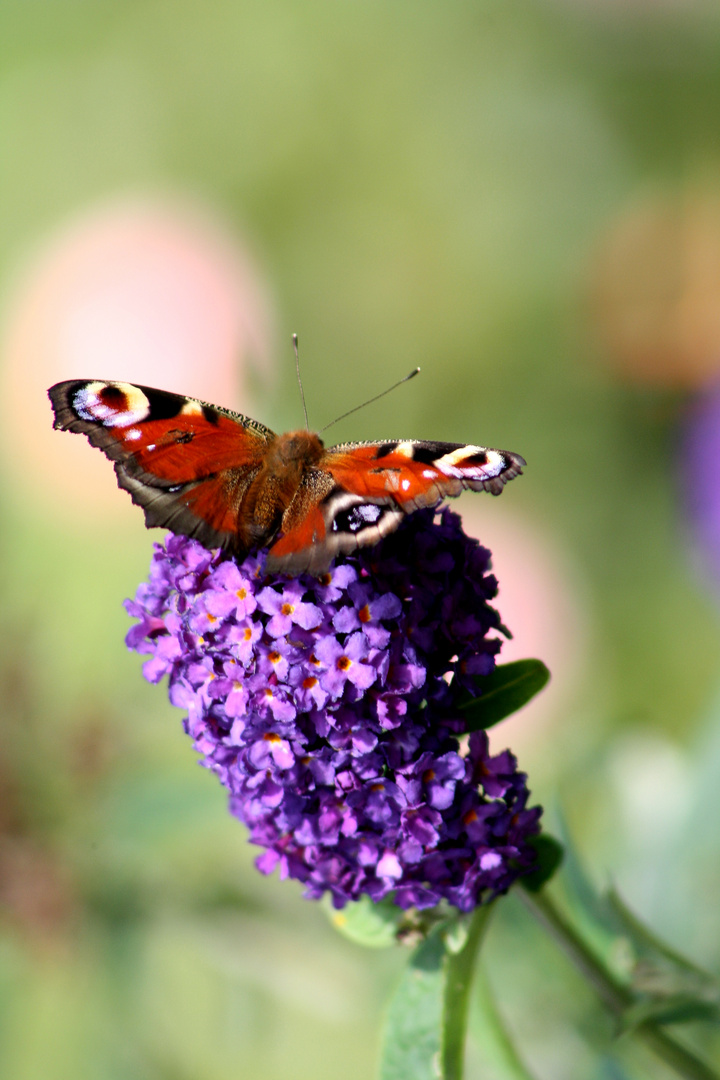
(185, 462)
(419, 474)
(176, 438)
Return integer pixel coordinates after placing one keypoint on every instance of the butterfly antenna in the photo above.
(297, 369)
(413, 373)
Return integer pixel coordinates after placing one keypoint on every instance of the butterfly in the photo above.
(230, 482)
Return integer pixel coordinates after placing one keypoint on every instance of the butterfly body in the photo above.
(230, 482)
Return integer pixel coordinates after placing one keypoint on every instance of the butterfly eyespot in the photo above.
(111, 404)
(356, 518)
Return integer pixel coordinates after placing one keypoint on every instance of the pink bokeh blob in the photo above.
(152, 291)
(541, 602)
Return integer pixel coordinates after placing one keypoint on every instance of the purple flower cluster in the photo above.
(329, 709)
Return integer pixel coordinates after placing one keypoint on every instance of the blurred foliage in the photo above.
(423, 184)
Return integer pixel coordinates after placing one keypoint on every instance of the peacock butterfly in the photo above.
(230, 482)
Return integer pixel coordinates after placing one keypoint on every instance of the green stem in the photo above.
(459, 970)
(613, 993)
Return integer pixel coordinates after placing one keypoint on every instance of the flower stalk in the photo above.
(460, 969)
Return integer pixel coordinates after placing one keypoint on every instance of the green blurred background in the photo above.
(522, 198)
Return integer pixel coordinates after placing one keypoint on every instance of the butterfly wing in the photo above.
(187, 463)
(360, 492)
(190, 466)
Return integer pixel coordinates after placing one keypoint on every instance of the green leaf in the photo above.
(651, 948)
(492, 1034)
(504, 691)
(598, 923)
(680, 1009)
(550, 854)
(374, 925)
(411, 1048)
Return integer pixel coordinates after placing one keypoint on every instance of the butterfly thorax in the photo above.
(286, 462)
(294, 449)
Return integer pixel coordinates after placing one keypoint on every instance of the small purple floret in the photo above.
(329, 710)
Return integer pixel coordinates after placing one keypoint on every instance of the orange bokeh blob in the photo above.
(655, 290)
